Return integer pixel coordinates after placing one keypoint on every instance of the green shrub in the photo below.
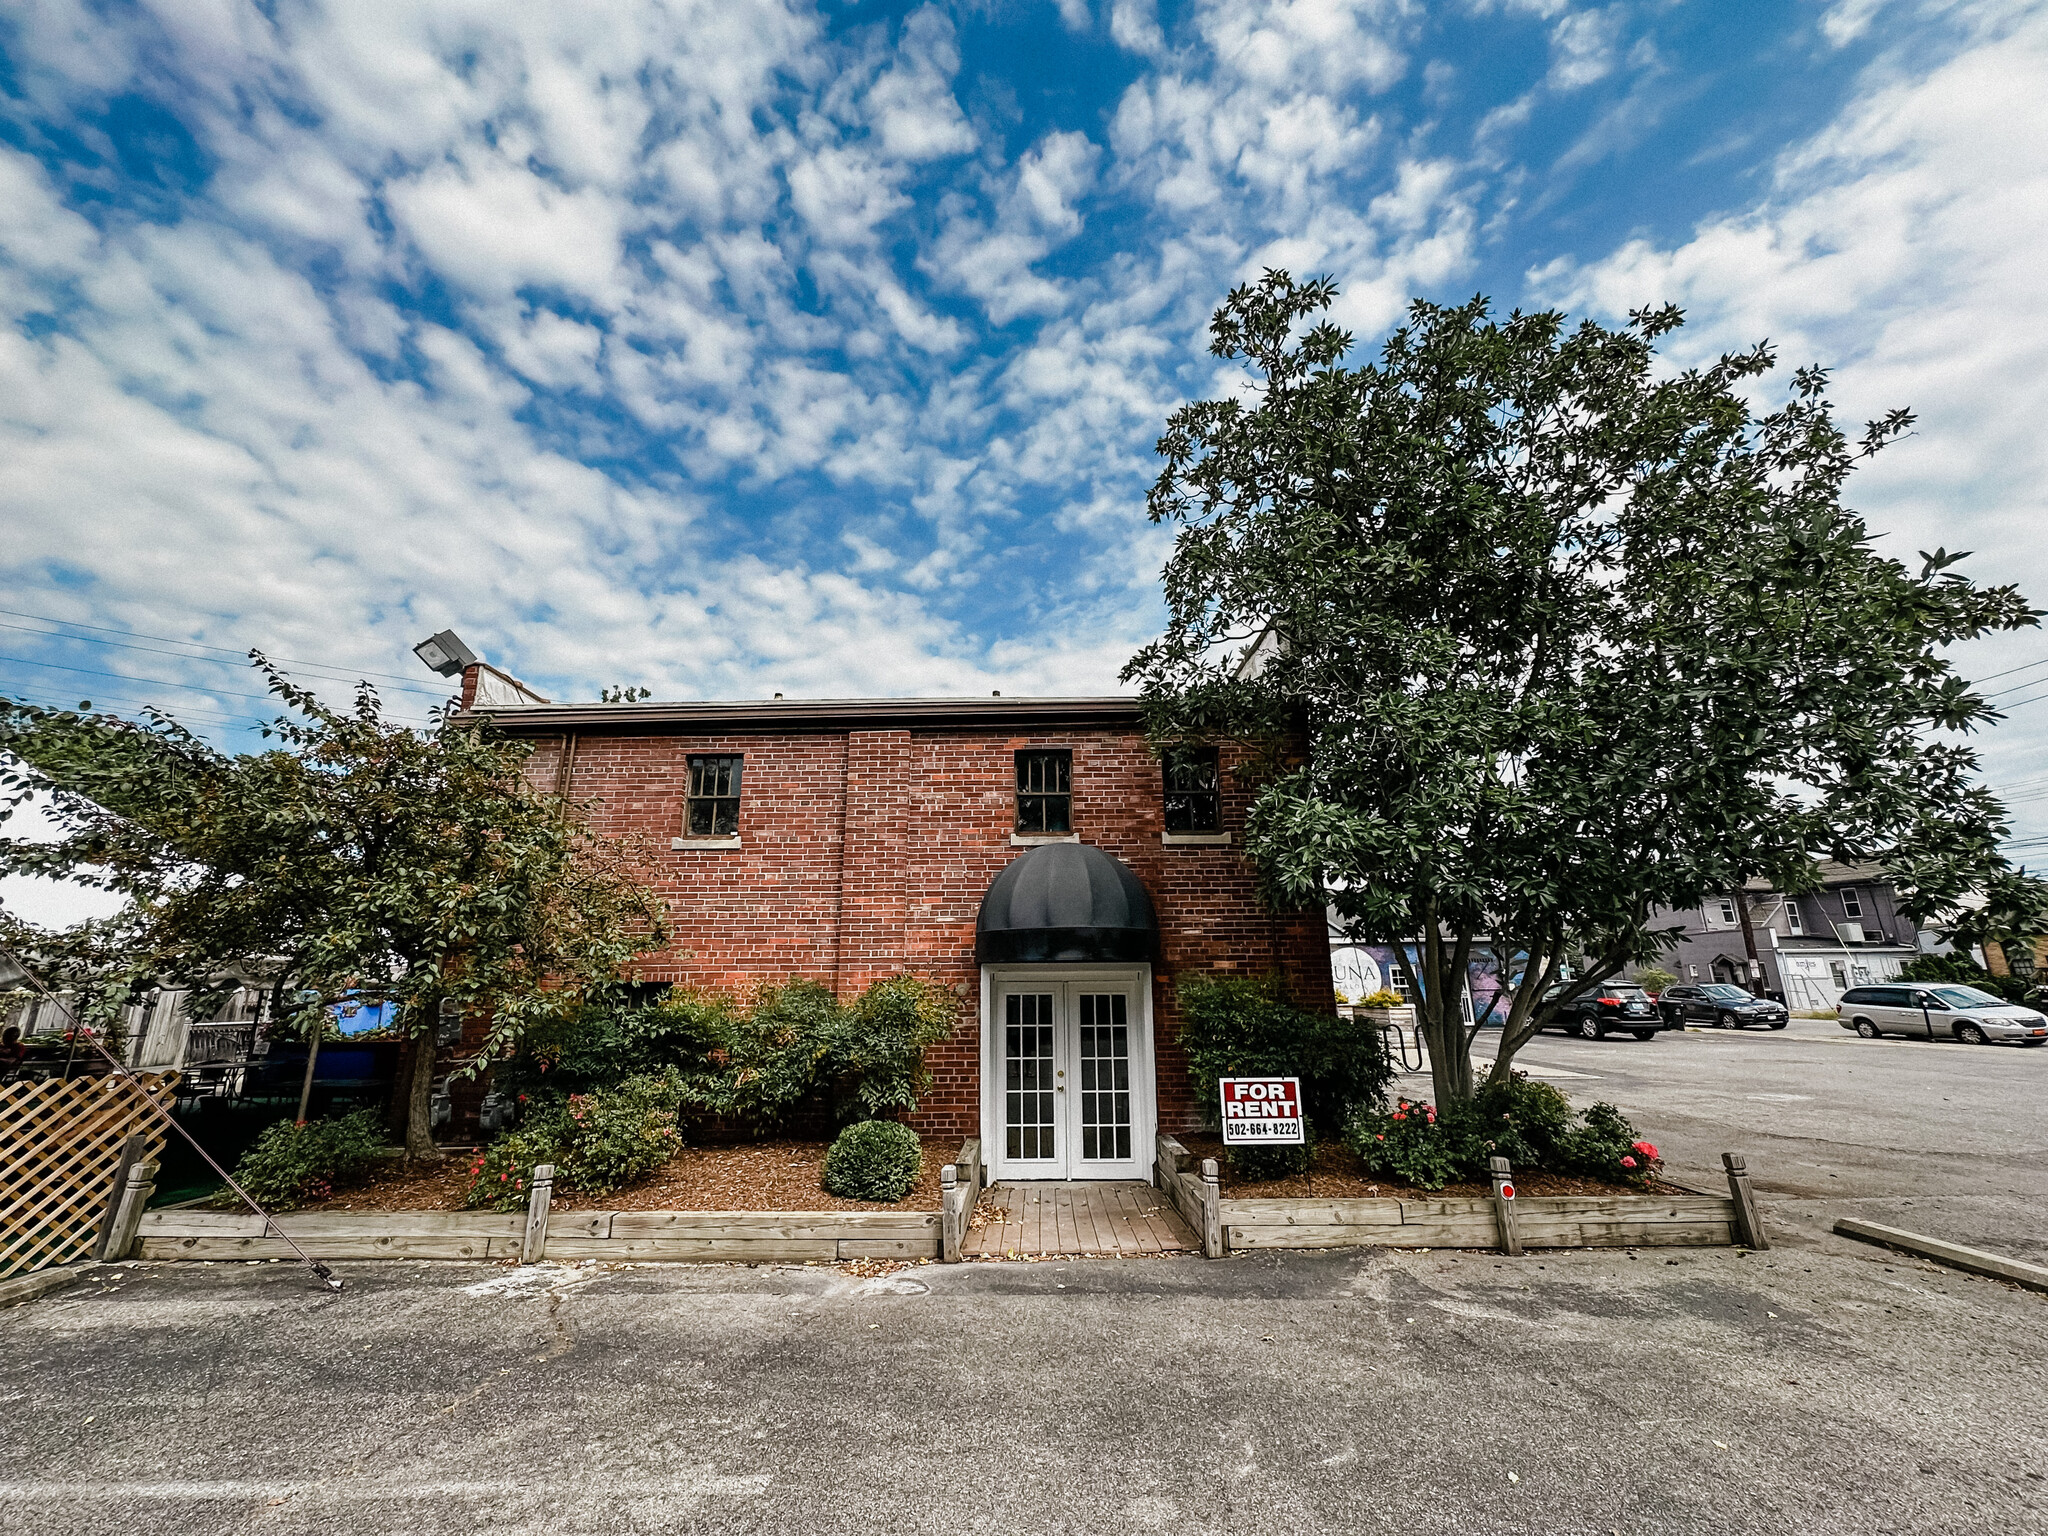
(754, 1066)
(598, 1142)
(874, 1160)
(877, 1060)
(600, 1046)
(498, 1176)
(610, 1139)
(1409, 1142)
(1530, 1124)
(1244, 1027)
(1604, 1145)
(1522, 1121)
(292, 1164)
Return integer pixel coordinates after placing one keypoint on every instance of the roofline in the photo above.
(757, 716)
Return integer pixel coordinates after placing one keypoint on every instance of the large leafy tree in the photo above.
(357, 859)
(1542, 639)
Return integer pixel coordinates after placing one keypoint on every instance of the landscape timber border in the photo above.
(653, 1237)
(1955, 1255)
(1558, 1221)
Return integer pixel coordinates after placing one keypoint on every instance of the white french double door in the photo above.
(1067, 1078)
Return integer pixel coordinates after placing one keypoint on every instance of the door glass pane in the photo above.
(1027, 1076)
(1105, 1062)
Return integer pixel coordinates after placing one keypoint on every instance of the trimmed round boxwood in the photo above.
(874, 1160)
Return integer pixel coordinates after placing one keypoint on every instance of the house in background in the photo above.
(2022, 959)
(1807, 949)
(1032, 854)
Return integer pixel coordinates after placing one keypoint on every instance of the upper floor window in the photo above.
(714, 804)
(1726, 909)
(1794, 923)
(1852, 904)
(1045, 792)
(1194, 793)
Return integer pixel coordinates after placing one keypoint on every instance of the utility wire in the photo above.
(2025, 666)
(79, 1030)
(411, 682)
(155, 682)
(52, 701)
(340, 674)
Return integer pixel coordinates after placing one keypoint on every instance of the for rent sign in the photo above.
(1263, 1110)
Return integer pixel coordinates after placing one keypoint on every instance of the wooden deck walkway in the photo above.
(1111, 1220)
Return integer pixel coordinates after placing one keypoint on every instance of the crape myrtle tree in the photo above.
(1538, 638)
(358, 859)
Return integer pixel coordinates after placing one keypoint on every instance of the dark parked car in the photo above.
(1612, 1006)
(1720, 1005)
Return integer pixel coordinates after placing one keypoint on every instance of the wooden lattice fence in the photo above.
(60, 1144)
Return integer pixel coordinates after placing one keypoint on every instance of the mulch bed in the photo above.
(1336, 1173)
(748, 1176)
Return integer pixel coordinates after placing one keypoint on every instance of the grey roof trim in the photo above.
(755, 716)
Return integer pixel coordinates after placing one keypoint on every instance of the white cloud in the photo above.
(1582, 47)
(1901, 246)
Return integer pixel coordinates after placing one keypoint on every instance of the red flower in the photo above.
(1628, 1162)
(1646, 1149)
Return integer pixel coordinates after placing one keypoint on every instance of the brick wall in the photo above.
(864, 853)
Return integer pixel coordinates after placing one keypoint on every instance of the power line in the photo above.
(2016, 703)
(2025, 666)
(199, 645)
(158, 682)
(341, 674)
(53, 701)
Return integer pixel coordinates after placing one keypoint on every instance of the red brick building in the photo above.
(850, 840)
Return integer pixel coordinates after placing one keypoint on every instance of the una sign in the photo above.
(1262, 1110)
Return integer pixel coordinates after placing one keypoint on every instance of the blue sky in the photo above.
(733, 348)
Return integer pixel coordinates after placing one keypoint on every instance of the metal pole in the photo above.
(306, 1088)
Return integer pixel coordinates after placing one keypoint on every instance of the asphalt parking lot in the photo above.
(1817, 1390)
(1824, 1386)
(1932, 1136)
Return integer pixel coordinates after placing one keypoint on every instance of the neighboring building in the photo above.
(1809, 949)
(1359, 970)
(158, 1033)
(1031, 853)
(2023, 959)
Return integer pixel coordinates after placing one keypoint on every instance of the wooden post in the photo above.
(950, 1235)
(1212, 1210)
(131, 1153)
(119, 1241)
(542, 1195)
(1749, 1227)
(1504, 1206)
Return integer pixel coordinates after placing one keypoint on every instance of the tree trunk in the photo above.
(1439, 970)
(419, 1134)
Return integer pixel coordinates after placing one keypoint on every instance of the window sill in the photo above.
(1195, 839)
(703, 842)
(1034, 839)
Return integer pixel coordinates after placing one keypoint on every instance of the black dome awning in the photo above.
(1066, 902)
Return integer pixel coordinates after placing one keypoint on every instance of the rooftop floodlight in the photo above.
(445, 653)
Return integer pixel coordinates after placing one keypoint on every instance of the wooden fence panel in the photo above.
(60, 1144)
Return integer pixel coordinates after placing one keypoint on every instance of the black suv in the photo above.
(1720, 1005)
(1611, 1006)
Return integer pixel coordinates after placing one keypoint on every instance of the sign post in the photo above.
(1262, 1112)
(1504, 1206)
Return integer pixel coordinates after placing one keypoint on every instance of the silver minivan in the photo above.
(1944, 1010)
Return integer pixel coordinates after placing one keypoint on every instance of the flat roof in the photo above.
(764, 716)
